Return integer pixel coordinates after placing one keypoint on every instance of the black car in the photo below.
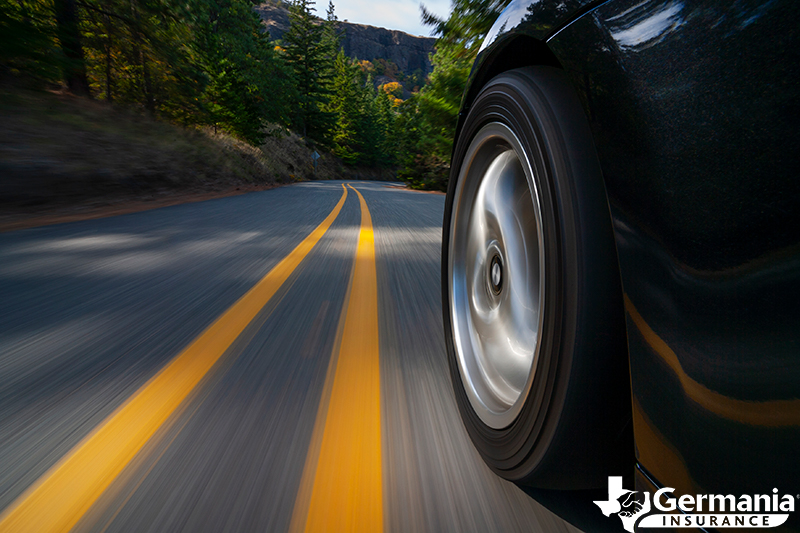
(621, 251)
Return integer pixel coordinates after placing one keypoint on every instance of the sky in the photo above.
(392, 14)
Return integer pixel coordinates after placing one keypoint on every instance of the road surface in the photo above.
(266, 362)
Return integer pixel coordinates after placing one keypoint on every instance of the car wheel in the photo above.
(531, 293)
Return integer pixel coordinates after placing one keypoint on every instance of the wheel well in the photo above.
(514, 52)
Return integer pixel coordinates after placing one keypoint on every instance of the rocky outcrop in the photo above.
(406, 51)
(275, 17)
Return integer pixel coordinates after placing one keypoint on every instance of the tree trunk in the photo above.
(138, 52)
(149, 100)
(70, 38)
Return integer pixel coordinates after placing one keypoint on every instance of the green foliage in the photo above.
(210, 63)
(364, 116)
(468, 23)
(145, 53)
(204, 62)
(305, 56)
(428, 123)
(345, 105)
(432, 118)
(386, 67)
(426, 171)
(439, 101)
(28, 42)
(387, 129)
(419, 166)
(243, 71)
(415, 80)
(370, 131)
(331, 39)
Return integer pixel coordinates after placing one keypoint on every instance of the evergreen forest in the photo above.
(210, 64)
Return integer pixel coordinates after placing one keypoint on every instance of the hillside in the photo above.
(70, 156)
(408, 52)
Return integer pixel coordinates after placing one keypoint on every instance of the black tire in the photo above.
(573, 429)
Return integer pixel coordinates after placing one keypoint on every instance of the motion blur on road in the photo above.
(266, 362)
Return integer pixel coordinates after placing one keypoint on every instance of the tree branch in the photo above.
(104, 12)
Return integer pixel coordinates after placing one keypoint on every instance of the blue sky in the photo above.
(393, 14)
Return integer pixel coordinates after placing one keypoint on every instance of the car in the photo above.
(621, 247)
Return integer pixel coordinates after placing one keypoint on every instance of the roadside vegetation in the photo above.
(429, 118)
(132, 95)
(56, 148)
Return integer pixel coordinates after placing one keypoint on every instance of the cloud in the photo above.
(401, 15)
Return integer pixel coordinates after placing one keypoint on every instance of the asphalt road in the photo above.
(239, 365)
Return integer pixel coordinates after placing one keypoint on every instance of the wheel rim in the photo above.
(496, 273)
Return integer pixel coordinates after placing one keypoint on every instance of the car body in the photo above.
(692, 107)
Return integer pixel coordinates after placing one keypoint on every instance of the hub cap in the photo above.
(496, 274)
(496, 267)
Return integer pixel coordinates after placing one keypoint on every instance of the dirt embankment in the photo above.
(67, 158)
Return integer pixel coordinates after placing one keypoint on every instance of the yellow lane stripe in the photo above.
(63, 494)
(303, 498)
(773, 413)
(348, 489)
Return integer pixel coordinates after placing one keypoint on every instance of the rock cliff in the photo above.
(406, 51)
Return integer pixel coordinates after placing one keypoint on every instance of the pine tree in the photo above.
(387, 117)
(425, 154)
(305, 58)
(198, 62)
(330, 44)
(144, 53)
(331, 35)
(204, 62)
(345, 106)
(369, 129)
(244, 71)
(440, 99)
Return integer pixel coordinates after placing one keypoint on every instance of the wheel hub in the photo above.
(495, 274)
(496, 265)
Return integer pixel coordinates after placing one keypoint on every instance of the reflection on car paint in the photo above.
(645, 31)
(692, 105)
(770, 413)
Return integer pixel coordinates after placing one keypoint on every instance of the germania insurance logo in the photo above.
(703, 510)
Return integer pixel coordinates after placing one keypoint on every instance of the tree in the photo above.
(363, 115)
(332, 36)
(440, 99)
(369, 128)
(386, 105)
(243, 71)
(305, 58)
(330, 46)
(468, 23)
(66, 14)
(344, 105)
(433, 114)
(28, 40)
(207, 62)
(429, 120)
(145, 53)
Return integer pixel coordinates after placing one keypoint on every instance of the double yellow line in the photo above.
(349, 462)
(341, 488)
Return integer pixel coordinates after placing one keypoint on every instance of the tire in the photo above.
(532, 301)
